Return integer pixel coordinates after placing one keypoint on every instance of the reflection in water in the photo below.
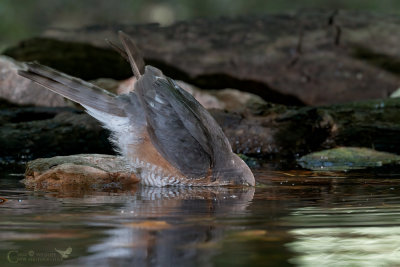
(2, 200)
(346, 236)
(166, 236)
(290, 218)
(148, 226)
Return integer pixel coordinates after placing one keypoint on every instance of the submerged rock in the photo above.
(84, 170)
(347, 158)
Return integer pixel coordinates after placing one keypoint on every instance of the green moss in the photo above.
(347, 158)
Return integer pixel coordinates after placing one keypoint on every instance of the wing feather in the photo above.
(176, 132)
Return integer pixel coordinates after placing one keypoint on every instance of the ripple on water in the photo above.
(291, 217)
(367, 236)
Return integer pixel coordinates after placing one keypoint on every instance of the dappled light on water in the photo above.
(346, 237)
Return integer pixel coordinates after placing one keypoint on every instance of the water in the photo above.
(291, 218)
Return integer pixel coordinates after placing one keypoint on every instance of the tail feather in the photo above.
(134, 56)
(130, 46)
(74, 89)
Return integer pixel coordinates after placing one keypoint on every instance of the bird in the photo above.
(165, 135)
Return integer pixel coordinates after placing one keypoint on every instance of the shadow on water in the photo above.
(290, 218)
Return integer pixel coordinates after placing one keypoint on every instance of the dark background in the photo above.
(25, 18)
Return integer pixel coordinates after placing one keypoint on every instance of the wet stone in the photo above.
(347, 158)
(84, 170)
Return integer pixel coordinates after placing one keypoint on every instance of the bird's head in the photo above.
(236, 173)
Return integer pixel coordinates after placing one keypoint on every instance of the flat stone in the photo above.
(84, 170)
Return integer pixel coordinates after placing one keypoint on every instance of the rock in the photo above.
(288, 132)
(18, 90)
(88, 171)
(111, 85)
(126, 86)
(123, 87)
(347, 158)
(264, 131)
(308, 57)
(77, 59)
(32, 132)
(228, 99)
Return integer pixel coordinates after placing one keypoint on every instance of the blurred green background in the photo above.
(25, 18)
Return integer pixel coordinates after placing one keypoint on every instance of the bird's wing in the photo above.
(74, 89)
(174, 128)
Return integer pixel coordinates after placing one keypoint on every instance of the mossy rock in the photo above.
(347, 158)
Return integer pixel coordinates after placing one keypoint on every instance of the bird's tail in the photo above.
(88, 95)
(130, 52)
(72, 88)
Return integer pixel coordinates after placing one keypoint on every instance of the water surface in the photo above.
(291, 218)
